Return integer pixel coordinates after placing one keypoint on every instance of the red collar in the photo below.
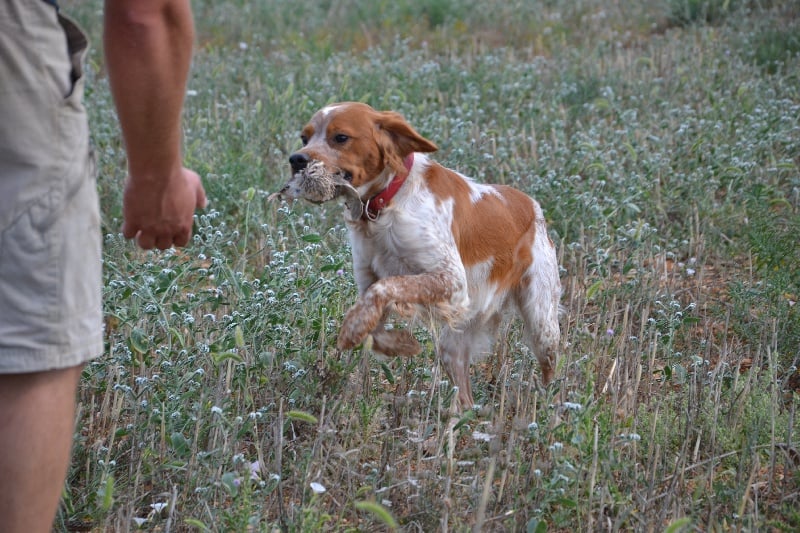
(375, 204)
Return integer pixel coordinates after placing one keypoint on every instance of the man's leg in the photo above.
(37, 417)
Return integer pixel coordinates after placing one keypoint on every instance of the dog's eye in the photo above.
(304, 139)
(340, 138)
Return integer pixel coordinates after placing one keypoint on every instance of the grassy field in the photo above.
(662, 139)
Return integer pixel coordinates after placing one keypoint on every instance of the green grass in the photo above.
(666, 157)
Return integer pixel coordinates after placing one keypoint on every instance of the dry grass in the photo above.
(666, 157)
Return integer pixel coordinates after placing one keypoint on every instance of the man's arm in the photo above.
(148, 47)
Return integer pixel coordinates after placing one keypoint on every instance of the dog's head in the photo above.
(361, 144)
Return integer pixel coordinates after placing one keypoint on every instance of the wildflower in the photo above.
(318, 488)
(485, 437)
(255, 468)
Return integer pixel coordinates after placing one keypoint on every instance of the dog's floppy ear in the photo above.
(397, 139)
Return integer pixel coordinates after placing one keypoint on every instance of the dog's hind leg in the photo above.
(537, 298)
(458, 348)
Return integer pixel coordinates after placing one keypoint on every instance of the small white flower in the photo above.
(216, 410)
(243, 45)
(318, 488)
(485, 437)
(139, 521)
(158, 507)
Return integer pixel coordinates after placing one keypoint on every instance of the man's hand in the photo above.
(148, 50)
(160, 214)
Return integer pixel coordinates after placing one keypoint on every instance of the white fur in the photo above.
(406, 259)
(397, 244)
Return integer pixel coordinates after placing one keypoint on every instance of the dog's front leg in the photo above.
(436, 289)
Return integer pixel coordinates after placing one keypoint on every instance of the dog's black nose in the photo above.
(299, 161)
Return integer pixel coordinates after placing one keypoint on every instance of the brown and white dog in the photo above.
(431, 240)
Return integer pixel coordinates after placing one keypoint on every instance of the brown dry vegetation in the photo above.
(665, 152)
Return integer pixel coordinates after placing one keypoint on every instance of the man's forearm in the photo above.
(148, 46)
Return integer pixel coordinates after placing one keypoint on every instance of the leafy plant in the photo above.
(666, 165)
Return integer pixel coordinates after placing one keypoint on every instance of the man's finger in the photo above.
(129, 231)
(200, 192)
(182, 238)
(145, 241)
(163, 242)
(202, 201)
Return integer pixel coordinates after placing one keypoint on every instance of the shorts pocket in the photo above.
(30, 268)
(76, 160)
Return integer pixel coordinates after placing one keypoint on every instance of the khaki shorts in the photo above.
(50, 258)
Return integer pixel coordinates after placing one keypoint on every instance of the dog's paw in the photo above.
(349, 339)
(398, 342)
(359, 321)
(354, 329)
